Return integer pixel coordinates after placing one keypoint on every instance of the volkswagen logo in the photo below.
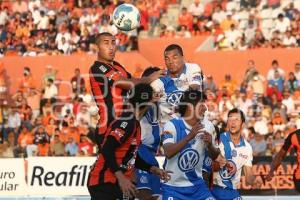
(228, 171)
(188, 159)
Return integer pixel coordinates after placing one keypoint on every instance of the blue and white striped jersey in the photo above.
(173, 88)
(238, 157)
(188, 163)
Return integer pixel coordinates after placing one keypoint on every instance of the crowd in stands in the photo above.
(37, 121)
(35, 27)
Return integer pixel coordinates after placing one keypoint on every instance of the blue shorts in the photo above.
(198, 192)
(148, 181)
(225, 193)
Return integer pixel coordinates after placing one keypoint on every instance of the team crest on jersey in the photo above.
(228, 171)
(188, 160)
(234, 153)
(174, 97)
(103, 68)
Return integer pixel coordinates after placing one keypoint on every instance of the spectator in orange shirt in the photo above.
(64, 133)
(25, 138)
(22, 30)
(226, 23)
(27, 82)
(229, 84)
(185, 19)
(43, 148)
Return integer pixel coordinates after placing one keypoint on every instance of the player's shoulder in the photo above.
(100, 67)
(127, 123)
(247, 145)
(192, 68)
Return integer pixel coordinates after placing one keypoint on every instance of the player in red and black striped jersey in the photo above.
(112, 175)
(292, 141)
(110, 82)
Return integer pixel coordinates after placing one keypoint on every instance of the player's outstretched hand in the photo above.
(221, 161)
(270, 176)
(195, 130)
(157, 75)
(162, 174)
(127, 187)
(206, 137)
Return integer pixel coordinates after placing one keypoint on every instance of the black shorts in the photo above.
(297, 183)
(107, 191)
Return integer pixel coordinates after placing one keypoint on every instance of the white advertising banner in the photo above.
(12, 177)
(58, 176)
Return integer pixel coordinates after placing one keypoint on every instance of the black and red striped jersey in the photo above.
(293, 141)
(108, 97)
(127, 133)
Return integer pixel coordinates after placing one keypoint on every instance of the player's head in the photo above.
(192, 104)
(235, 120)
(106, 44)
(149, 71)
(141, 95)
(174, 59)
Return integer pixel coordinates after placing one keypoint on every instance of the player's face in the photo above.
(200, 109)
(107, 48)
(174, 61)
(234, 123)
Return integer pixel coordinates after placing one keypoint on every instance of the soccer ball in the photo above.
(126, 17)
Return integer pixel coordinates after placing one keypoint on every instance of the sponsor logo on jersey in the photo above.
(188, 160)
(228, 171)
(174, 97)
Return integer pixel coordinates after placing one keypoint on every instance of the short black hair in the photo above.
(174, 46)
(141, 94)
(236, 110)
(150, 70)
(98, 37)
(275, 62)
(190, 97)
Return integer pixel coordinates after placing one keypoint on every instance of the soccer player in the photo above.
(238, 154)
(111, 177)
(185, 140)
(148, 185)
(180, 77)
(110, 82)
(292, 141)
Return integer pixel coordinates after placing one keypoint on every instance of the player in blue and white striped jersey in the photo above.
(185, 140)
(180, 77)
(238, 153)
(148, 184)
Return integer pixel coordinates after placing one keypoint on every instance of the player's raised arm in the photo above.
(128, 83)
(276, 162)
(170, 147)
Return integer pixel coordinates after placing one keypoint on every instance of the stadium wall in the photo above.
(217, 63)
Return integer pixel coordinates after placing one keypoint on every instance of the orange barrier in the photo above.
(216, 63)
(153, 49)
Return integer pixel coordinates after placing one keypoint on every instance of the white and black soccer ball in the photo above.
(126, 17)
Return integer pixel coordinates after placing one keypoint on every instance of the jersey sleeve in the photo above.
(104, 74)
(169, 132)
(158, 86)
(195, 75)
(121, 130)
